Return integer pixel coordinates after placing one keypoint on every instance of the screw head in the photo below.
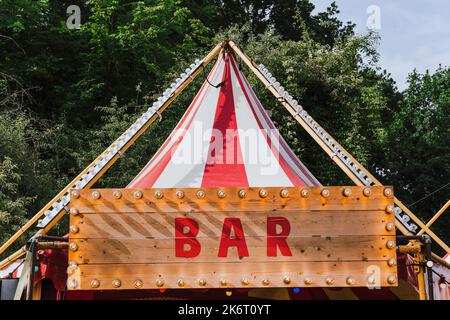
(72, 283)
(201, 194)
(116, 283)
(117, 194)
(95, 283)
(308, 281)
(159, 194)
(96, 195)
(325, 193)
(392, 262)
(242, 193)
(390, 244)
(73, 246)
(263, 193)
(284, 193)
(388, 192)
(75, 194)
(245, 281)
(391, 279)
(430, 264)
(390, 226)
(390, 209)
(304, 193)
(74, 211)
(138, 194)
(221, 194)
(367, 192)
(180, 283)
(329, 281)
(265, 282)
(287, 280)
(347, 192)
(202, 282)
(159, 283)
(138, 284)
(180, 194)
(350, 281)
(74, 229)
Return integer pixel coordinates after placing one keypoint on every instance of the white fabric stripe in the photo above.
(154, 161)
(295, 163)
(187, 164)
(261, 166)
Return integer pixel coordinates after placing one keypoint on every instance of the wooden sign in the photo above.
(231, 237)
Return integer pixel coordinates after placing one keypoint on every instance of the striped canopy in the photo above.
(225, 138)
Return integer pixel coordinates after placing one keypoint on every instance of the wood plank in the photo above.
(232, 202)
(160, 225)
(343, 248)
(232, 273)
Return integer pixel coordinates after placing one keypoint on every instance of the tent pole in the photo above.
(35, 218)
(331, 153)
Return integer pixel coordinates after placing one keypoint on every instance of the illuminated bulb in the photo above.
(245, 281)
(74, 211)
(389, 226)
(229, 293)
(96, 195)
(159, 194)
(95, 283)
(138, 284)
(287, 280)
(390, 209)
(72, 283)
(391, 279)
(390, 244)
(201, 194)
(284, 193)
(74, 229)
(350, 281)
(116, 283)
(223, 282)
(75, 194)
(180, 283)
(304, 193)
(265, 282)
(308, 281)
(180, 194)
(202, 282)
(159, 283)
(117, 194)
(73, 246)
(347, 192)
(325, 193)
(263, 193)
(371, 280)
(242, 193)
(329, 281)
(137, 194)
(367, 192)
(388, 192)
(392, 262)
(221, 194)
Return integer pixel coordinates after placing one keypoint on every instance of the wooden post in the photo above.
(332, 155)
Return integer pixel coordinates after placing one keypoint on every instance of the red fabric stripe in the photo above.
(136, 183)
(295, 179)
(150, 178)
(219, 172)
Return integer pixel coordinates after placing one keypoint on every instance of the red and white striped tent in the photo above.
(225, 139)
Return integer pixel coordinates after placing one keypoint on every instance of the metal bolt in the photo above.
(347, 192)
(138, 194)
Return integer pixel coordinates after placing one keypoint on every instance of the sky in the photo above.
(414, 33)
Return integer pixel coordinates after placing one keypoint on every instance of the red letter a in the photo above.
(274, 239)
(188, 237)
(238, 240)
